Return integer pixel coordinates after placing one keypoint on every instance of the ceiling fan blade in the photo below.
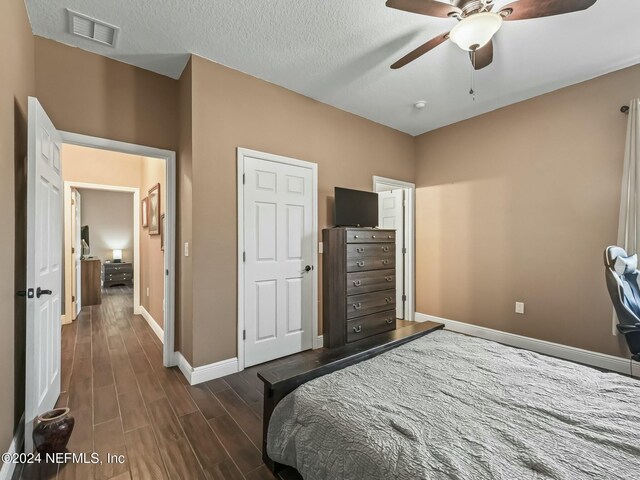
(483, 56)
(421, 50)
(524, 9)
(425, 7)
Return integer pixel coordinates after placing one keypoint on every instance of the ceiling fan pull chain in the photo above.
(472, 91)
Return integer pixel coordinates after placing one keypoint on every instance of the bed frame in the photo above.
(280, 380)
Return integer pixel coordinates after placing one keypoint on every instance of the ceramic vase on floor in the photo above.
(53, 430)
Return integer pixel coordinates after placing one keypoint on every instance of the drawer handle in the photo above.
(385, 249)
(360, 264)
(373, 236)
(357, 283)
(390, 236)
(357, 329)
(357, 306)
(355, 236)
(360, 250)
(390, 320)
(388, 299)
(389, 278)
(384, 262)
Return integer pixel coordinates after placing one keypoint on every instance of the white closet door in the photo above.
(278, 230)
(391, 215)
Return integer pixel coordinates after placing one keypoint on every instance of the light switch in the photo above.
(320, 247)
(520, 308)
(186, 249)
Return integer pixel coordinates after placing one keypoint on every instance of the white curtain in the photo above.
(629, 224)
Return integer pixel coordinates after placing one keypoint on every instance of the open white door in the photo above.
(279, 242)
(391, 215)
(44, 269)
(77, 250)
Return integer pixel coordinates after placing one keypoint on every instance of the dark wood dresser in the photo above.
(90, 286)
(358, 284)
(117, 274)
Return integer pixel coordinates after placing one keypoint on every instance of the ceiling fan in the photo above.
(478, 24)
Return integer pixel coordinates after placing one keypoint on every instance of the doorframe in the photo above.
(68, 185)
(381, 184)
(169, 358)
(241, 154)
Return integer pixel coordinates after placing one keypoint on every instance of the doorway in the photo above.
(396, 209)
(101, 242)
(164, 236)
(277, 256)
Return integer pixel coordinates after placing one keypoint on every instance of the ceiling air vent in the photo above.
(93, 29)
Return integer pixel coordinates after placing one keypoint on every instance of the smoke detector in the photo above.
(420, 104)
(92, 29)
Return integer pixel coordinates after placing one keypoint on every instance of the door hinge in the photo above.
(73, 298)
(404, 251)
(404, 203)
(73, 250)
(244, 334)
(404, 298)
(244, 178)
(166, 272)
(244, 256)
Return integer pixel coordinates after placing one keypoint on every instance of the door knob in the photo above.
(40, 292)
(308, 268)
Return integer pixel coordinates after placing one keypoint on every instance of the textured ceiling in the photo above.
(339, 51)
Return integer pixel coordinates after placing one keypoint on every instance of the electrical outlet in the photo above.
(520, 308)
(186, 249)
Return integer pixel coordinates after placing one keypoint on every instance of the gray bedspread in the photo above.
(448, 406)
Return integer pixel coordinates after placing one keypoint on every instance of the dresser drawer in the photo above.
(368, 236)
(368, 250)
(359, 305)
(115, 277)
(118, 268)
(363, 327)
(355, 264)
(372, 281)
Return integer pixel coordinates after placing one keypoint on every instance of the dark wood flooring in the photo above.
(126, 403)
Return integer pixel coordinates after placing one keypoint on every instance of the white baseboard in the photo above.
(318, 342)
(152, 323)
(206, 372)
(586, 357)
(6, 472)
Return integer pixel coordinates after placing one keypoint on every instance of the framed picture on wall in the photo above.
(154, 210)
(144, 213)
(162, 228)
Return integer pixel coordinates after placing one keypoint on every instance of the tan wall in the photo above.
(109, 216)
(85, 93)
(102, 167)
(518, 205)
(184, 287)
(151, 254)
(17, 81)
(231, 109)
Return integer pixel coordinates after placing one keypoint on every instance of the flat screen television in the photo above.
(354, 208)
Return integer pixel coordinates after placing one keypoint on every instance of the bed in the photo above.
(451, 406)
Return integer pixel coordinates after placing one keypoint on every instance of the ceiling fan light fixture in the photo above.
(475, 31)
